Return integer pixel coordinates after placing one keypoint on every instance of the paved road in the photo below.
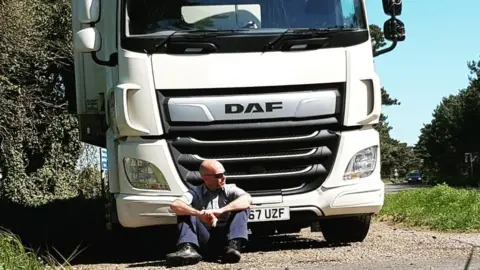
(397, 187)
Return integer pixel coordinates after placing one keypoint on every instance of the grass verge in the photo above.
(441, 208)
(13, 255)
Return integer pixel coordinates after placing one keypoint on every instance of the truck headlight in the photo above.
(144, 175)
(362, 164)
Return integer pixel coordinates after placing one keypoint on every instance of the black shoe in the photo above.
(186, 255)
(232, 251)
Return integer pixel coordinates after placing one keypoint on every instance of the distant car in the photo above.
(414, 177)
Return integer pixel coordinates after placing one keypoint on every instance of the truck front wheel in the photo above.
(345, 229)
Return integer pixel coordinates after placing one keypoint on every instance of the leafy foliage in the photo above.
(378, 39)
(39, 142)
(394, 154)
(452, 133)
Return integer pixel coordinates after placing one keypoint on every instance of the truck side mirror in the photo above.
(394, 30)
(87, 40)
(392, 7)
(88, 11)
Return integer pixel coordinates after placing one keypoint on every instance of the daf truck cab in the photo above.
(282, 92)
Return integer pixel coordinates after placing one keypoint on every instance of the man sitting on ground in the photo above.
(208, 215)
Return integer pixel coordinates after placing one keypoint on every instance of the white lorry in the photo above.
(282, 92)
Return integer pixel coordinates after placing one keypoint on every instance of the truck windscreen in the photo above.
(255, 16)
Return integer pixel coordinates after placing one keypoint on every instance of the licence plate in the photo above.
(269, 214)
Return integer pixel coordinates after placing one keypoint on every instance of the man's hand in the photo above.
(216, 212)
(208, 218)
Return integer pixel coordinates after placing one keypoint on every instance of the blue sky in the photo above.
(432, 61)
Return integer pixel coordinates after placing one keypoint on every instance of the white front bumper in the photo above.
(335, 197)
(137, 211)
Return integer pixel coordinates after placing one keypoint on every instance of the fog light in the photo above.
(362, 164)
(144, 175)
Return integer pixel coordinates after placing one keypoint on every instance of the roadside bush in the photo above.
(89, 183)
(39, 142)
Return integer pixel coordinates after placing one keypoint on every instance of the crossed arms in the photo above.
(181, 208)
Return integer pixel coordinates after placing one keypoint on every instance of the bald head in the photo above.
(212, 173)
(211, 166)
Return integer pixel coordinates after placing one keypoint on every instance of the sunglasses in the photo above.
(217, 175)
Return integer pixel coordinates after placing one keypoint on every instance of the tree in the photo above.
(394, 155)
(378, 39)
(39, 142)
(452, 133)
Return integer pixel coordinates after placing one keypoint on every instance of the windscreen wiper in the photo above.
(183, 46)
(307, 36)
(165, 41)
(198, 33)
(192, 41)
(211, 32)
(186, 34)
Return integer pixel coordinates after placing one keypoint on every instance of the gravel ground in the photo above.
(386, 247)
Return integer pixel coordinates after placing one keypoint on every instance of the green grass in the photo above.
(13, 255)
(439, 208)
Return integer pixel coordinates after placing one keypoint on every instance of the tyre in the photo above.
(346, 229)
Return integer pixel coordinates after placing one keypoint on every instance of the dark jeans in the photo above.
(192, 230)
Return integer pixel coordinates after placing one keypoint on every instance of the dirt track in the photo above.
(386, 247)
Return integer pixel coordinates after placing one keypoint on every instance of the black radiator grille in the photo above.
(277, 156)
(287, 165)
